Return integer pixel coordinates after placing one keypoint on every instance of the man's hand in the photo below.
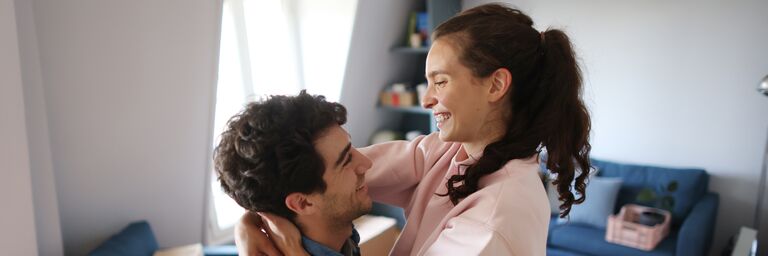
(251, 240)
(267, 234)
(283, 233)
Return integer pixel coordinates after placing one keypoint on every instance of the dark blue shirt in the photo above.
(350, 247)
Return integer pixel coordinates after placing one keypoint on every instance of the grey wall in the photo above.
(128, 91)
(47, 223)
(17, 236)
(673, 83)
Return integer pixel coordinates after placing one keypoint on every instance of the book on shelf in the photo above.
(418, 31)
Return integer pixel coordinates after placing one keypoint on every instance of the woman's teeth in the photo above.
(442, 117)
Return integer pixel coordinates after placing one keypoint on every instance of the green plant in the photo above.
(663, 199)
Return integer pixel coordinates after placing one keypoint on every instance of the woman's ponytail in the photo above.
(546, 106)
(567, 143)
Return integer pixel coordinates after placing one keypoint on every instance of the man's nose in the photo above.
(365, 164)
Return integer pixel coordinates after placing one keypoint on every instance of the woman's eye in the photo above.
(440, 84)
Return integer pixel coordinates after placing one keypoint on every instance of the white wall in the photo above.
(673, 83)
(17, 236)
(128, 91)
(46, 206)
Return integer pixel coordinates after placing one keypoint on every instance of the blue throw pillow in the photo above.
(549, 177)
(601, 199)
(134, 240)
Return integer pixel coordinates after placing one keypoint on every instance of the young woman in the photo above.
(501, 92)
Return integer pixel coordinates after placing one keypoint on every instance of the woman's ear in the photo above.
(300, 203)
(501, 83)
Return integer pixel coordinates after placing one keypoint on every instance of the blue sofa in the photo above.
(137, 239)
(693, 215)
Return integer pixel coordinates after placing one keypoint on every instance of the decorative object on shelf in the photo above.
(422, 29)
(398, 95)
(418, 32)
(415, 40)
(623, 228)
(421, 89)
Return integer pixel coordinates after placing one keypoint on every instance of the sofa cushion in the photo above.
(552, 251)
(599, 203)
(137, 239)
(692, 184)
(580, 238)
(548, 177)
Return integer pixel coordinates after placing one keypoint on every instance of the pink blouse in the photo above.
(508, 215)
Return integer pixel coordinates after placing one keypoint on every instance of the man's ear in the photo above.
(501, 83)
(300, 203)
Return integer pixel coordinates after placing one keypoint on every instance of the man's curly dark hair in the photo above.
(267, 151)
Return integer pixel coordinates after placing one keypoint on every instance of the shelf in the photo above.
(412, 61)
(414, 109)
(411, 50)
(414, 118)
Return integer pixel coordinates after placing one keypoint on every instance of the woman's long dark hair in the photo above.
(547, 110)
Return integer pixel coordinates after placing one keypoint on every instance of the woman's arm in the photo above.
(399, 166)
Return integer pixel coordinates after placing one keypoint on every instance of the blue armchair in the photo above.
(693, 215)
(137, 239)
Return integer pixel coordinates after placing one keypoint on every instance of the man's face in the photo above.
(346, 195)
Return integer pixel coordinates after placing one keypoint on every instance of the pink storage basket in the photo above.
(623, 228)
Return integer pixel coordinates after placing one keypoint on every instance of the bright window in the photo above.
(272, 47)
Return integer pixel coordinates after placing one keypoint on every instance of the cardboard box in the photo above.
(623, 228)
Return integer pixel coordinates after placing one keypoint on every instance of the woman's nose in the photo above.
(428, 100)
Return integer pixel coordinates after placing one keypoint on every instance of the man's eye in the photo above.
(349, 159)
(440, 84)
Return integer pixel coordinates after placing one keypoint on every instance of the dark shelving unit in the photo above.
(416, 118)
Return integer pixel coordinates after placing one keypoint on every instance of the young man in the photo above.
(289, 156)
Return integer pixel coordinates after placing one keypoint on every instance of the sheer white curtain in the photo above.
(273, 47)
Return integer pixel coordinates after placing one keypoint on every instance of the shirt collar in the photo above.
(350, 247)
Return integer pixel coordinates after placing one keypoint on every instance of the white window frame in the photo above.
(213, 234)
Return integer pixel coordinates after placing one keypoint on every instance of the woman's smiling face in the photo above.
(457, 98)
